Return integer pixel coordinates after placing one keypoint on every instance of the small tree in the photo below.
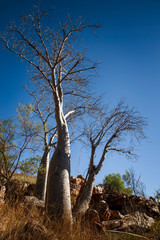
(114, 182)
(157, 195)
(15, 137)
(133, 182)
(110, 130)
(30, 165)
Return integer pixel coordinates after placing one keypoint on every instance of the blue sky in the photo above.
(128, 48)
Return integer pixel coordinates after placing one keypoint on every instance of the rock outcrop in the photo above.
(134, 222)
(118, 211)
(107, 210)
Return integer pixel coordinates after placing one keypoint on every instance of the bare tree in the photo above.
(133, 182)
(43, 113)
(15, 138)
(65, 72)
(110, 130)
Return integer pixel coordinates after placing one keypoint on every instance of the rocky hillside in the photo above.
(117, 211)
(108, 211)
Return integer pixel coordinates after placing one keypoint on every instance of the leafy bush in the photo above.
(114, 182)
(30, 165)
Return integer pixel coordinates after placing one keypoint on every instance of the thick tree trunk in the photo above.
(83, 200)
(58, 201)
(41, 183)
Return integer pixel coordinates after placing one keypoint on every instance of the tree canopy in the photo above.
(114, 182)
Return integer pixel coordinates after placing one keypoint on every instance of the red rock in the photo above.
(92, 216)
(97, 189)
(115, 215)
(81, 177)
(103, 210)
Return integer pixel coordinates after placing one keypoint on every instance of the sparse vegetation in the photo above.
(24, 178)
(19, 224)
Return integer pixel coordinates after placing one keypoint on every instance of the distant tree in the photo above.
(109, 130)
(114, 182)
(15, 137)
(133, 182)
(157, 195)
(30, 165)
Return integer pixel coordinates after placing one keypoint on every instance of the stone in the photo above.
(111, 224)
(115, 215)
(103, 210)
(77, 181)
(98, 189)
(33, 201)
(81, 177)
(75, 189)
(136, 222)
(149, 206)
(92, 216)
(116, 201)
(72, 179)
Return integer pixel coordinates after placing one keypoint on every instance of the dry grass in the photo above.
(21, 223)
(24, 178)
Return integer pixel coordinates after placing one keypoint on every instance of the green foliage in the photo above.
(30, 165)
(7, 145)
(157, 195)
(127, 178)
(114, 182)
(25, 117)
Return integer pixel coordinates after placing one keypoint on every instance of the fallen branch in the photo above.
(131, 234)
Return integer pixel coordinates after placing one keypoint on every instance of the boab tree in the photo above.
(111, 131)
(43, 114)
(52, 53)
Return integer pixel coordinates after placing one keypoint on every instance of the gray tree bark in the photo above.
(41, 183)
(83, 201)
(58, 202)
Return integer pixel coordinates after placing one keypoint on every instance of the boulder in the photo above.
(76, 180)
(103, 210)
(134, 222)
(75, 189)
(98, 189)
(116, 201)
(92, 216)
(81, 177)
(111, 224)
(115, 215)
(33, 202)
(96, 198)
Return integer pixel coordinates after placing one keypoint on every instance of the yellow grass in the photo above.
(24, 178)
(21, 223)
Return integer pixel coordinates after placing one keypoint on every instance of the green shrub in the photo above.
(114, 182)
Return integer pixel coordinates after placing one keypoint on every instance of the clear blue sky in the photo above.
(128, 47)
